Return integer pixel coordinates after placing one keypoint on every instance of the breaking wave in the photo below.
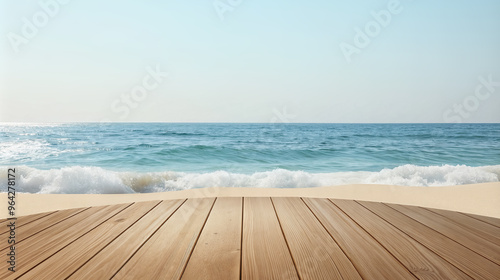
(96, 180)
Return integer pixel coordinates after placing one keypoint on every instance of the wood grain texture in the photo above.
(254, 238)
(265, 254)
(461, 235)
(489, 220)
(71, 257)
(24, 220)
(422, 262)
(34, 250)
(480, 228)
(108, 261)
(40, 225)
(165, 255)
(315, 253)
(217, 253)
(469, 262)
(370, 259)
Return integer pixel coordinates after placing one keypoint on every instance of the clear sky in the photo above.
(250, 61)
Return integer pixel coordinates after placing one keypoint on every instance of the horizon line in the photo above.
(281, 123)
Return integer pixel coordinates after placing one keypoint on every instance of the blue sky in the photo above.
(250, 61)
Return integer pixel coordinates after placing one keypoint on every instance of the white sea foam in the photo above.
(79, 179)
(31, 149)
(36, 149)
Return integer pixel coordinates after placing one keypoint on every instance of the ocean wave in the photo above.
(27, 149)
(96, 180)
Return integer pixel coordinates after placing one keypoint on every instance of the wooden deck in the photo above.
(254, 238)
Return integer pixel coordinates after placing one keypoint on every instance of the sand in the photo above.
(481, 199)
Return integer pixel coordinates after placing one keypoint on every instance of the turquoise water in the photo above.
(146, 157)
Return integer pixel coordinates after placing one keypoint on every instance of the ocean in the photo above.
(154, 157)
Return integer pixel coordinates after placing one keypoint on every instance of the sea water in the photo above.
(153, 157)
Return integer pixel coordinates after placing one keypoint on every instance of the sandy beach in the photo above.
(481, 199)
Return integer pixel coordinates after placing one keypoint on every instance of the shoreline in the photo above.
(480, 199)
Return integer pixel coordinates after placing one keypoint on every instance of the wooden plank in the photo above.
(371, 260)
(480, 228)
(421, 261)
(24, 220)
(467, 260)
(50, 241)
(73, 256)
(166, 253)
(489, 220)
(108, 261)
(35, 227)
(217, 253)
(315, 253)
(461, 235)
(265, 254)
(203, 241)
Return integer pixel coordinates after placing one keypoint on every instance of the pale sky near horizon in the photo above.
(257, 61)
